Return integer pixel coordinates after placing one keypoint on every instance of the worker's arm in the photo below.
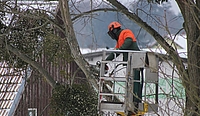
(127, 44)
(112, 56)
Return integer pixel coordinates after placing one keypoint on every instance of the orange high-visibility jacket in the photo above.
(126, 41)
(126, 33)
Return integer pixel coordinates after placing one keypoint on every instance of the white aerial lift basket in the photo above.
(111, 100)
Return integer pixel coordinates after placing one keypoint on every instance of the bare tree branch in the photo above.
(94, 10)
(28, 60)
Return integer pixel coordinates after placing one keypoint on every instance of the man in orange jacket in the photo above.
(124, 37)
(126, 41)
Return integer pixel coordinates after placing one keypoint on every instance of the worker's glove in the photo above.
(106, 68)
(98, 64)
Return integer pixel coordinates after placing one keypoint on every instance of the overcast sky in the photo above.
(174, 8)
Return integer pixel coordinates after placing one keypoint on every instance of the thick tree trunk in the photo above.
(72, 42)
(193, 88)
(74, 47)
(190, 12)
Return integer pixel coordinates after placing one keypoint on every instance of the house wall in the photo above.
(38, 92)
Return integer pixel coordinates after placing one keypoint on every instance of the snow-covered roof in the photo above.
(48, 6)
(10, 82)
(178, 39)
(181, 40)
(88, 50)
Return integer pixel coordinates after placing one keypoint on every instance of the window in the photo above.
(32, 111)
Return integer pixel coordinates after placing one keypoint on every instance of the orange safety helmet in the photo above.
(113, 25)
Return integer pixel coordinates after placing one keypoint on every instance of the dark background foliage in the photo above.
(77, 100)
(24, 35)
